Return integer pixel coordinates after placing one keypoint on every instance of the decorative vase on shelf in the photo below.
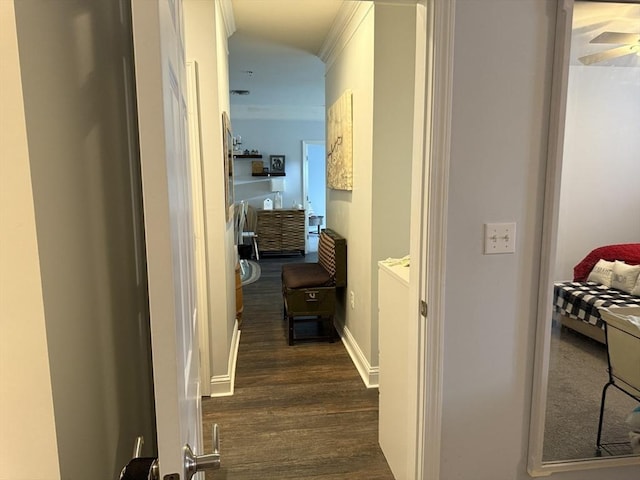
(277, 203)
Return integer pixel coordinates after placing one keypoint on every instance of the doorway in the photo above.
(314, 190)
(351, 211)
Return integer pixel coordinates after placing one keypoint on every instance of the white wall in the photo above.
(600, 196)
(84, 185)
(501, 95)
(273, 137)
(349, 212)
(206, 43)
(26, 403)
(394, 84)
(377, 63)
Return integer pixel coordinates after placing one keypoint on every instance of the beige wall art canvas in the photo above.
(340, 144)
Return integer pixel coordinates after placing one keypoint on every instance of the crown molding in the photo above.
(227, 16)
(348, 19)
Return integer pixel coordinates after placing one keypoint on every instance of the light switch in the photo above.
(499, 238)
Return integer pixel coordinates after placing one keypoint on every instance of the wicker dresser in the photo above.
(281, 231)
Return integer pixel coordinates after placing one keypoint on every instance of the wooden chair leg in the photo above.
(255, 248)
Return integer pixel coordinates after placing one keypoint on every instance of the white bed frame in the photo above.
(591, 331)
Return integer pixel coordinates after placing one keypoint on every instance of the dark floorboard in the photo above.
(299, 412)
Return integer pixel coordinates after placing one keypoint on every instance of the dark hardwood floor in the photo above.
(299, 412)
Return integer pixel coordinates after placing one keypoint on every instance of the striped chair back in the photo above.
(332, 255)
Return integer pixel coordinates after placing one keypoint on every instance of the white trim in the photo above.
(224, 385)
(557, 113)
(228, 18)
(305, 187)
(348, 19)
(417, 248)
(368, 373)
(199, 224)
(546, 469)
(535, 466)
(438, 110)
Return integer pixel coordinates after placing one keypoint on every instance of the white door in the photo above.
(162, 115)
(314, 185)
(315, 160)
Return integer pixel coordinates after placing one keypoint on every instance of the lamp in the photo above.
(278, 186)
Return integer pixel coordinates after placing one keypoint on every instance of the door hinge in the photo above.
(423, 308)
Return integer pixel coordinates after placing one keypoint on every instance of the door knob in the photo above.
(197, 463)
(137, 447)
(140, 468)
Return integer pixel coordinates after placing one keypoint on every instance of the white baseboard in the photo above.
(368, 373)
(223, 385)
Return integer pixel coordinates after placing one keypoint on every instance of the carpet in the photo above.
(577, 373)
(250, 273)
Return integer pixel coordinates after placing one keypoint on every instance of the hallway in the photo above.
(298, 412)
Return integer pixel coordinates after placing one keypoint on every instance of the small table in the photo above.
(316, 220)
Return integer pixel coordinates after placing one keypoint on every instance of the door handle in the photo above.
(197, 463)
(140, 468)
(137, 447)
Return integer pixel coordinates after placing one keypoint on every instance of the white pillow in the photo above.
(636, 289)
(601, 273)
(624, 276)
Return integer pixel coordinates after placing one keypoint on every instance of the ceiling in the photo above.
(274, 51)
(593, 18)
(300, 24)
(273, 54)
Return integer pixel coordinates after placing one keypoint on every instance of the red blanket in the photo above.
(626, 252)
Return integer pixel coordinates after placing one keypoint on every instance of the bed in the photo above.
(608, 276)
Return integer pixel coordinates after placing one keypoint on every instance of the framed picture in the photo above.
(340, 143)
(227, 148)
(276, 163)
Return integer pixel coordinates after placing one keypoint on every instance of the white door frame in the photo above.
(429, 218)
(305, 186)
(199, 225)
(434, 77)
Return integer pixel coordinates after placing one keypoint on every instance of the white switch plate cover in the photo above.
(499, 238)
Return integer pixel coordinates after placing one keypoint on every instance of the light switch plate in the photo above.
(499, 238)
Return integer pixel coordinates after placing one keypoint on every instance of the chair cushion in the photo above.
(305, 275)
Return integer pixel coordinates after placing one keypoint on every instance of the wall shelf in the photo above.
(267, 174)
(242, 155)
(240, 180)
